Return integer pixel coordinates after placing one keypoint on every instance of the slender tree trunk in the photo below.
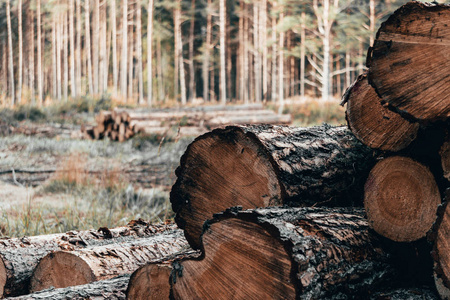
(130, 53)
(78, 48)
(241, 51)
(31, 53)
(281, 69)
(246, 54)
(206, 55)
(176, 50)
(326, 51)
(372, 21)
(10, 53)
(106, 39)
(257, 66)
(303, 56)
(274, 55)
(361, 57)
(150, 55)
(96, 44)
(179, 52)
(39, 53)
(54, 57)
(123, 66)
(139, 53)
(114, 46)
(66, 57)
(348, 81)
(19, 13)
(338, 77)
(59, 46)
(88, 47)
(191, 54)
(4, 68)
(73, 87)
(263, 42)
(161, 94)
(223, 83)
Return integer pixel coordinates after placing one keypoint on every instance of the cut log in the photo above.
(441, 250)
(262, 165)
(372, 123)
(412, 44)
(412, 293)
(68, 268)
(152, 280)
(286, 253)
(111, 289)
(445, 158)
(20, 256)
(401, 199)
(103, 117)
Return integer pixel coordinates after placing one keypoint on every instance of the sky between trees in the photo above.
(150, 51)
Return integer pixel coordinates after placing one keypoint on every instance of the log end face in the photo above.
(375, 125)
(3, 277)
(242, 261)
(150, 282)
(60, 269)
(401, 199)
(445, 159)
(222, 169)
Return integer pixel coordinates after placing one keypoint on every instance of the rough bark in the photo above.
(111, 289)
(140, 72)
(80, 266)
(285, 253)
(88, 47)
(223, 80)
(10, 53)
(124, 55)
(19, 17)
(401, 198)
(412, 293)
(445, 158)
(151, 281)
(372, 123)
(20, 256)
(39, 53)
(415, 38)
(262, 165)
(441, 253)
(150, 53)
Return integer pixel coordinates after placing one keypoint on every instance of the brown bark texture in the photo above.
(409, 46)
(445, 158)
(151, 281)
(111, 289)
(20, 256)
(372, 123)
(80, 266)
(263, 165)
(441, 251)
(285, 253)
(401, 198)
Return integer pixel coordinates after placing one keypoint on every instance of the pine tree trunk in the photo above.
(191, 54)
(88, 47)
(295, 253)
(281, 68)
(73, 86)
(78, 48)
(106, 34)
(241, 52)
(223, 81)
(10, 53)
(257, 61)
(61, 269)
(131, 52)
(95, 45)
(31, 54)
(161, 93)
(303, 56)
(180, 54)
(114, 46)
(206, 55)
(277, 165)
(65, 58)
(246, 54)
(176, 25)
(20, 84)
(150, 56)
(39, 54)
(54, 57)
(263, 43)
(140, 71)
(124, 55)
(274, 55)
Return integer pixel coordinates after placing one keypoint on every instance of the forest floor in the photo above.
(58, 183)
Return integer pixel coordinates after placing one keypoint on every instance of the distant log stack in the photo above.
(122, 124)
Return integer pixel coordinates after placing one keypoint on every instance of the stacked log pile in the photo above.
(277, 212)
(122, 124)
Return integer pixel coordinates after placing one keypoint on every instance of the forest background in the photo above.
(153, 52)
